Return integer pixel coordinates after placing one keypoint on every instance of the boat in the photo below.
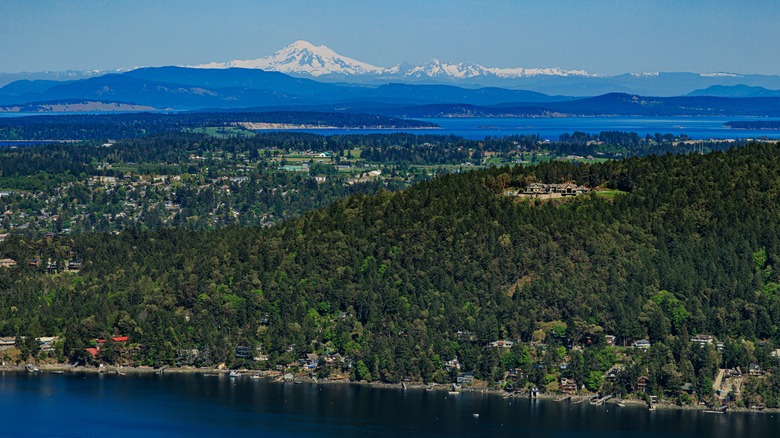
(621, 404)
(32, 368)
(254, 377)
(475, 415)
(234, 374)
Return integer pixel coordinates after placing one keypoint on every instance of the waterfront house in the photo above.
(568, 386)
(311, 361)
(452, 364)
(502, 344)
(643, 344)
(702, 340)
(7, 263)
(465, 378)
(7, 342)
(754, 369)
(641, 383)
(613, 373)
(46, 343)
(243, 352)
(515, 374)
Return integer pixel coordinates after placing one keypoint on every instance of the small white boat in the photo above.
(254, 377)
(475, 415)
(234, 374)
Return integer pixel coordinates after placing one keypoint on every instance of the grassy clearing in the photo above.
(609, 193)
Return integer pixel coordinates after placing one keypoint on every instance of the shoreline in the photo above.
(276, 377)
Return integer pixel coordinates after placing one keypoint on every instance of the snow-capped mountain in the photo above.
(305, 59)
(437, 69)
(302, 57)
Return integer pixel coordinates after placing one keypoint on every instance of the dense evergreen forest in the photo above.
(205, 178)
(400, 282)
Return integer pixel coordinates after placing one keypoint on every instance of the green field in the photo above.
(609, 193)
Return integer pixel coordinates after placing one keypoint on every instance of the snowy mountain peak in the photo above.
(304, 45)
(305, 59)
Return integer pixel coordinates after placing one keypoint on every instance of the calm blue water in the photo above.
(196, 405)
(698, 128)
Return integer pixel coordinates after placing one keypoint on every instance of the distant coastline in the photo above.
(761, 125)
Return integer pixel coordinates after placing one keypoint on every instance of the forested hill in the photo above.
(390, 279)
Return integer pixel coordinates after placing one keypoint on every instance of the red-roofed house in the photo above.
(93, 351)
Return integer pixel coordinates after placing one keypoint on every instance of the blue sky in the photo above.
(600, 36)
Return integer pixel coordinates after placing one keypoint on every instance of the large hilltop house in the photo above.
(538, 190)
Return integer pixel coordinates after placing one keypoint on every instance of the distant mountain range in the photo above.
(286, 81)
(735, 91)
(303, 59)
(179, 88)
(308, 61)
(187, 89)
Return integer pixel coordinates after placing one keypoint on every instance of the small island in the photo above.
(769, 125)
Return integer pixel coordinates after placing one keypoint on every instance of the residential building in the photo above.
(643, 344)
(568, 386)
(465, 378)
